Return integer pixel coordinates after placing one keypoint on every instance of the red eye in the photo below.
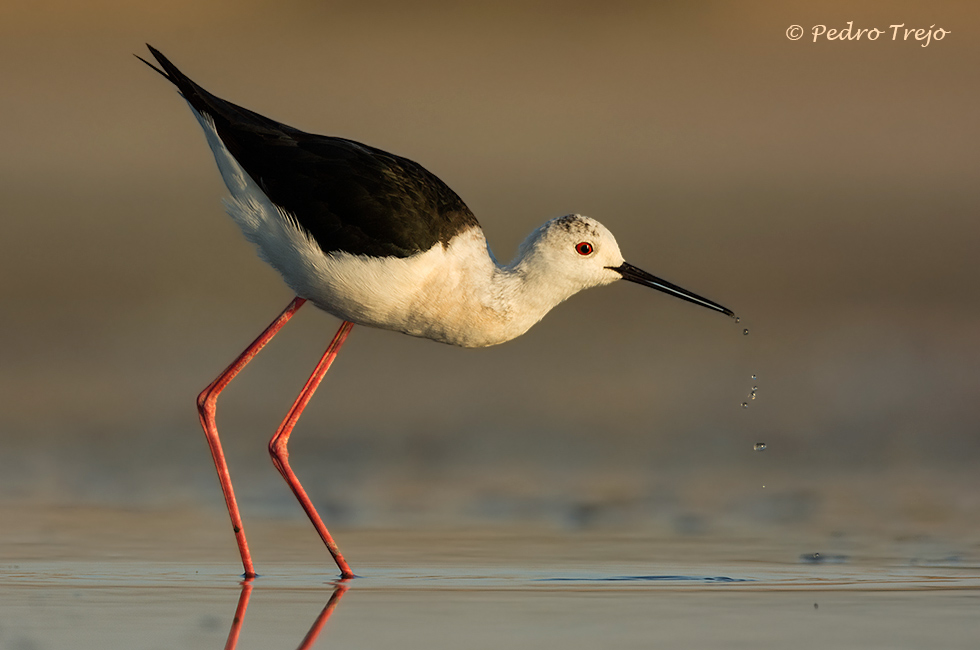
(584, 248)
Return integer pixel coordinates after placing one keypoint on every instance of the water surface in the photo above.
(518, 587)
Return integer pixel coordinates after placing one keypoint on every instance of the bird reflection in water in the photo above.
(315, 629)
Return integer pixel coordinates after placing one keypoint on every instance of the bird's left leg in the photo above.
(280, 455)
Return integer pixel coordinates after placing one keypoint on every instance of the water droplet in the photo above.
(759, 446)
(755, 388)
(745, 405)
(753, 376)
(745, 332)
(752, 396)
(737, 319)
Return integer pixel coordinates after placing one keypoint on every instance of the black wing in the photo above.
(346, 195)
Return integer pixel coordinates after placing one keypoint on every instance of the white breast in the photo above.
(450, 294)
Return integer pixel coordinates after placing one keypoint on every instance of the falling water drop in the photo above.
(745, 405)
(745, 332)
(759, 446)
(753, 376)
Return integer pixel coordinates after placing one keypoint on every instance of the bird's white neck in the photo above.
(523, 292)
(474, 301)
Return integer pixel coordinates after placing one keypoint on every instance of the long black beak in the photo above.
(633, 274)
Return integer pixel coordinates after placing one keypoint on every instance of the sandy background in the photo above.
(824, 191)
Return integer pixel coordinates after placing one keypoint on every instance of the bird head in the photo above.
(575, 252)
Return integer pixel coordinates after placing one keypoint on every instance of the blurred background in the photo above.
(824, 191)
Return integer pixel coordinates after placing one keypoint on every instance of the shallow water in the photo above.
(168, 580)
(139, 605)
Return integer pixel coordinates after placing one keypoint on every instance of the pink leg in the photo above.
(207, 403)
(280, 455)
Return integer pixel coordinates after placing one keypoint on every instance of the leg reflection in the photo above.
(321, 620)
(315, 629)
(236, 623)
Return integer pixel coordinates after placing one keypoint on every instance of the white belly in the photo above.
(444, 294)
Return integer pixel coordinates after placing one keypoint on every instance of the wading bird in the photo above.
(376, 239)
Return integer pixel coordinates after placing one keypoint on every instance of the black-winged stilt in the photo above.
(376, 239)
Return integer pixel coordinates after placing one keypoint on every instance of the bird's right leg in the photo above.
(280, 453)
(207, 403)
